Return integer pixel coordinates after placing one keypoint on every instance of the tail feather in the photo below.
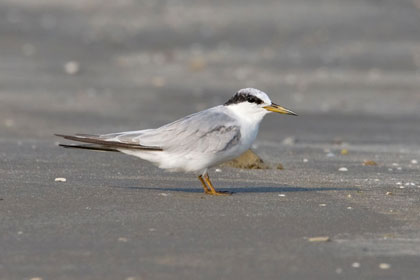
(89, 147)
(94, 139)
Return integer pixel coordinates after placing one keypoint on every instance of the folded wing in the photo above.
(98, 142)
(210, 131)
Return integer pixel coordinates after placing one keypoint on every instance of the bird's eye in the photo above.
(254, 99)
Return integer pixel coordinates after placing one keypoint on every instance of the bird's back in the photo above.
(188, 144)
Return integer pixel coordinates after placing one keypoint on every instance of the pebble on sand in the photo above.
(289, 141)
(369, 163)
(60, 179)
(9, 122)
(319, 239)
(384, 266)
(197, 64)
(72, 67)
(159, 81)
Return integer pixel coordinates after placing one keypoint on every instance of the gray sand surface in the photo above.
(351, 69)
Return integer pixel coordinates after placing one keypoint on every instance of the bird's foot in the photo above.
(218, 192)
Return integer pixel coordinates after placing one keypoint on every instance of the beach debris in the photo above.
(344, 152)
(305, 160)
(197, 64)
(319, 239)
(72, 67)
(384, 266)
(60, 179)
(289, 141)
(322, 204)
(355, 265)
(343, 169)
(282, 195)
(414, 161)
(122, 239)
(248, 160)
(158, 81)
(389, 193)
(369, 163)
(9, 122)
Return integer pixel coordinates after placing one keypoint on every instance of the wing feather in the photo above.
(207, 132)
(95, 139)
(210, 131)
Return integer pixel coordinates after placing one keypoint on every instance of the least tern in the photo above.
(196, 142)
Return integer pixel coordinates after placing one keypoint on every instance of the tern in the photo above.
(196, 142)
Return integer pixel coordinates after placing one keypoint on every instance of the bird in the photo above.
(194, 143)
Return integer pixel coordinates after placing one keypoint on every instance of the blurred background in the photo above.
(115, 65)
(349, 68)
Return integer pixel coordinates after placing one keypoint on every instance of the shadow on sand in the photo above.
(262, 189)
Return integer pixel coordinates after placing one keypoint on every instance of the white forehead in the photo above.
(256, 92)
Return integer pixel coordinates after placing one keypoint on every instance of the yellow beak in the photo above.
(278, 109)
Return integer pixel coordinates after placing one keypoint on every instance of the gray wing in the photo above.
(209, 131)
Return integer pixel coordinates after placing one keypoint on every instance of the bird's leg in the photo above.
(206, 189)
(212, 190)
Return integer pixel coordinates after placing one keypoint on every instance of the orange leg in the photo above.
(206, 189)
(212, 190)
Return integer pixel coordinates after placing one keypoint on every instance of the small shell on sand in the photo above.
(60, 179)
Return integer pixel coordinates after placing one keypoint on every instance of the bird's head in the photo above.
(254, 103)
